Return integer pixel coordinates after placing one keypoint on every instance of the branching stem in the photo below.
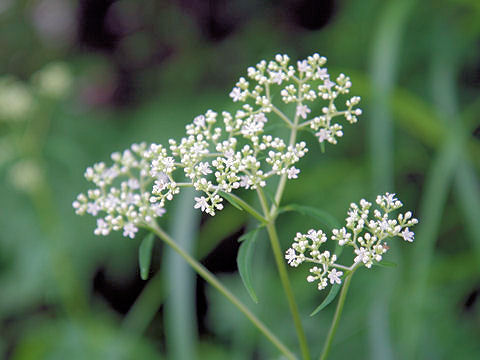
(212, 280)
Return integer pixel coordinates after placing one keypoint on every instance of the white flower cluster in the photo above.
(219, 152)
(366, 234)
(222, 156)
(303, 84)
(122, 193)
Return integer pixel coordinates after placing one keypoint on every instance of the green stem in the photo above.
(336, 317)
(243, 204)
(283, 179)
(277, 251)
(212, 280)
(282, 271)
(281, 115)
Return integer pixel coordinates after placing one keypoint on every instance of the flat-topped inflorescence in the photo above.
(220, 152)
(226, 155)
(301, 85)
(121, 198)
(365, 233)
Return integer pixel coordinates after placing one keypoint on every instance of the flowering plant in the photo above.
(222, 152)
(366, 236)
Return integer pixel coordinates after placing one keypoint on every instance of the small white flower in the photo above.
(199, 121)
(363, 255)
(201, 203)
(292, 173)
(334, 276)
(303, 111)
(260, 117)
(236, 94)
(93, 208)
(328, 84)
(322, 284)
(408, 235)
(290, 255)
(133, 184)
(129, 230)
(204, 168)
(158, 210)
(324, 134)
(322, 73)
(102, 228)
(277, 77)
(303, 66)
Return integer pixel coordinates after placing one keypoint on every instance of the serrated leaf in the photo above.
(244, 261)
(145, 255)
(330, 297)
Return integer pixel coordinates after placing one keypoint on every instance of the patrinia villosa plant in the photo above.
(223, 152)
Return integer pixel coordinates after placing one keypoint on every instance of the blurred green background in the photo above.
(117, 72)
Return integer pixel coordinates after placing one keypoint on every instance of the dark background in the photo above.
(140, 71)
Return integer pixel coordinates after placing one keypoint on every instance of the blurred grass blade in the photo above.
(437, 187)
(384, 72)
(468, 195)
(244, 261)
(384, 69)
(330, 297)
(180, 319)
(145, 255)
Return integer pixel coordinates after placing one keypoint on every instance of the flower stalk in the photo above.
(338, 314)
(222, 152)
(213, 281)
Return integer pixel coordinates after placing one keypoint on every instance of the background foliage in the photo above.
(142, 70)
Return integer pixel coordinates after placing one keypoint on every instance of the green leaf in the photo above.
(231, 200)
(338, 250)
(387, 264)
(330, 297)
(242, 205)
(324, 217)
(145, 255)
(244, 260)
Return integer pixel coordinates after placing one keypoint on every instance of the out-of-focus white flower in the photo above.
(54, 80)
(16, 100)
(26, 175)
